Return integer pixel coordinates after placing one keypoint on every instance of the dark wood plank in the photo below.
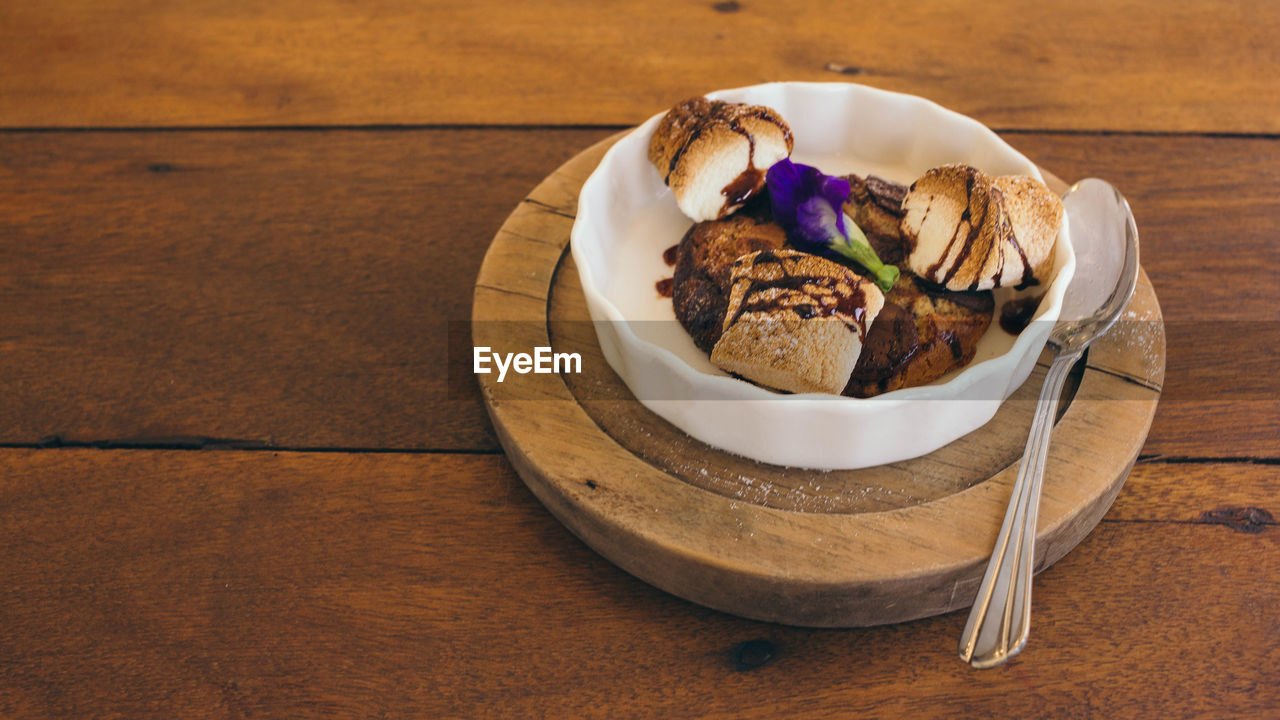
(1128, 65)
(284, 288)
(1197, 492)
(1207, 209)
(237, 584)
(299, 289)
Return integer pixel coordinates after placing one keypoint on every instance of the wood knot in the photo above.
(727, 7)
(752, 654)
(592, 484)
(1241, 519)
(161, 167)
(844, 70)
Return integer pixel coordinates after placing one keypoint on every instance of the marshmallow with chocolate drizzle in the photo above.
(968, 231)
(713, 154)
(795, 321)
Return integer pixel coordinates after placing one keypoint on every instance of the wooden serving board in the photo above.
(838, 548)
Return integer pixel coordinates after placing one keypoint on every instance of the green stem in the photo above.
(858, 249)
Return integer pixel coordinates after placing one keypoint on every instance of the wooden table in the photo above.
(246, 472)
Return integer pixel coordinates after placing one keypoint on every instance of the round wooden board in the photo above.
(832, 549)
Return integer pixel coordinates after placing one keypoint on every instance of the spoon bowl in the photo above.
(1106, 263)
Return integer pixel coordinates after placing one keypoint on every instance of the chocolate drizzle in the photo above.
(679, 153)
(978, 301)
(1015, 315)
(980, 210)
(743, 188)
(666, 286)
(701, 115)
(1028, 277)
(890, 344)
(909, 240)
(971, 237)
(828, 295)
(748, 181)
(670, 254)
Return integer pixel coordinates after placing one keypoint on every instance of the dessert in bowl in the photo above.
(627, 216)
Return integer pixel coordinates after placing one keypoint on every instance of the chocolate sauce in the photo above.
(748, 181)
(851, 305)
(909, 239)
(993, 199)
(969, 240)
(743, 187)
(760, 112)
(669, 255)
(1028, 278)
(665, 286)
(707, 114)
(1016, 314)
(966, 216)
(980, 301)
(890, 343)
(675, 157)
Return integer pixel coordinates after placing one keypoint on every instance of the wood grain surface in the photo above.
(250, 288)
(175, 274)
(1095, 65)
(244, 584)
(297, 289)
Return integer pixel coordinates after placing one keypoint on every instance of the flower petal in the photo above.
(793, 185)
(816, 225)
(786, 191)
(835, 191)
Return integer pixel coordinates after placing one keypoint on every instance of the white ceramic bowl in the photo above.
(626, 218)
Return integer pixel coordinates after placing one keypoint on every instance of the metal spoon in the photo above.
(1105, 238)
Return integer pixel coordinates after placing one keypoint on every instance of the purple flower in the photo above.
(806, 202)
(809, 206)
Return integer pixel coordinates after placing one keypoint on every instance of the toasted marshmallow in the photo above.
(796, 322)
(1035, 213)
(969, 231)
(714, 155)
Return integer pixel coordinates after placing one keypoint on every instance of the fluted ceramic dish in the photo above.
(626, 218)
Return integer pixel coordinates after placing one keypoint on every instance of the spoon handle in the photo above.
(1001, 616)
